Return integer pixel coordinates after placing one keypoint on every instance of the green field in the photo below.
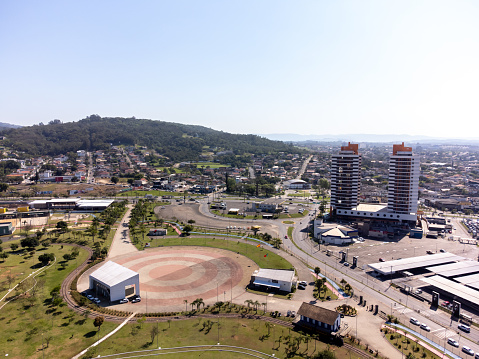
(26, 319)
(208, 164)
(272, 260)
(199, 331)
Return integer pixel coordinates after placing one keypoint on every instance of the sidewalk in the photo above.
(121, 244)
(105, 337)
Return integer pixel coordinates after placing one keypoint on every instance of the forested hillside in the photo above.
(177, 141)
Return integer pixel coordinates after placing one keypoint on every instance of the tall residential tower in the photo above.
(345, 177)
(403, 181)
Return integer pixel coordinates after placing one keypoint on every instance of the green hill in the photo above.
(176, 141)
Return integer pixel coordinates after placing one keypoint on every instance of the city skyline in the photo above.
(246, 67)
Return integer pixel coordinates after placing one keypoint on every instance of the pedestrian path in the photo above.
(105, 337)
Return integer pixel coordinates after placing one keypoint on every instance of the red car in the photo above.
(445, 303)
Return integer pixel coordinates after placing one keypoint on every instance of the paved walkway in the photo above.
(105, 337)
(121, 243)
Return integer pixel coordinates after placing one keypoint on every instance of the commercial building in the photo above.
(345, 177)
(114, 281)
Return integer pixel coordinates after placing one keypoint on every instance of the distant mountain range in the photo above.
(291, 137)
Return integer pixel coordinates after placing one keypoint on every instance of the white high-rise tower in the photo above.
(345, 177)
(403, 181)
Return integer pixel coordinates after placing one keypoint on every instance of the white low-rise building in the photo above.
(281, 280)
(114, 281)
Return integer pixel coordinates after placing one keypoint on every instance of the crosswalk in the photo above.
(403, 310)
(441, 333)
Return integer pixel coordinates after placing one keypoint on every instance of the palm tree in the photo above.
(186, 305)
(199, 302)
(317, 270)
(256, 305)
(249, 302)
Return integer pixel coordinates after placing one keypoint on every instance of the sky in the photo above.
(241, 66)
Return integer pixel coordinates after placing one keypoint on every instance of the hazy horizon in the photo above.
(309, 67)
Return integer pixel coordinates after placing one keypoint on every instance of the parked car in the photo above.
(414, 321)
(96, 300)
(467, 350)
(442, 250)
(346, 264)
(381, 260)
(89, 296)
(418, 291)
(453, 342)
(124, 300)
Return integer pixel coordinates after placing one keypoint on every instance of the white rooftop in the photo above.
(95, 202)
(455, 269)
(393, 266)
(277, 274)
(112, 273)
(454, 288)
(469, 280)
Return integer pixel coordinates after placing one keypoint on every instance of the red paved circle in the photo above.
(172, 272)
(170, 276)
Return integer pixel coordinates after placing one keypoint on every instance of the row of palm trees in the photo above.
(198, 302)
(255, 304)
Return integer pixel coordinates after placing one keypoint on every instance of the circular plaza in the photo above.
(171, 278)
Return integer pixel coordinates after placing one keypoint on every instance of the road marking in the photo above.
(441, 333)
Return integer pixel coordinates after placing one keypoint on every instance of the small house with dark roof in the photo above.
(319, 318)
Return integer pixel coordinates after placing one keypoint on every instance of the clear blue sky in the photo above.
(262, 66)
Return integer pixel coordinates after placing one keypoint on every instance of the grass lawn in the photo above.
(209, 164)
(407, 346)
(272, 260)
(288, 222)
(199, 331)
(290, 233)
(26, 318)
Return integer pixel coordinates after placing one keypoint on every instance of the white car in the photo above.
(303, 282)
(96, 300)
(89, 296)
(453, 342)
(124, 300)
(414, 321)
(425, 327)
(467, 350)
(464, 327)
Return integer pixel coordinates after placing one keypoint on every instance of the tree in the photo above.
(14, 247)
(29, 242)
(98, 321)
(153, 333)
(115, 180)
(62, 226)
(3, 255)
(3, 187)
(317, 270)
(187, 229)
(46, 258)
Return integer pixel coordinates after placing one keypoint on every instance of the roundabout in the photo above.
(173, 277)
